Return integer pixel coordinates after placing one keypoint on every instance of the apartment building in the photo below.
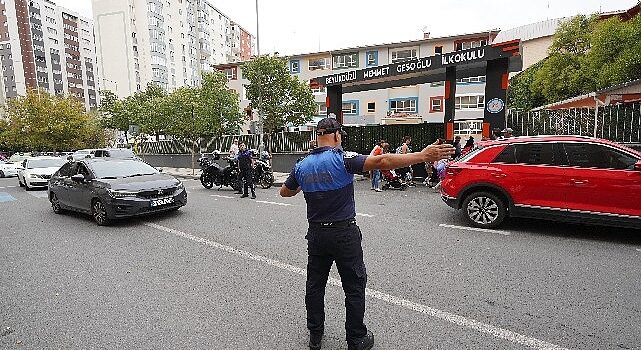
(44, 46)
(167, 42)
(410, 104)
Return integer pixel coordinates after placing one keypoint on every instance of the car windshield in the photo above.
(45, 163)
(124, 168)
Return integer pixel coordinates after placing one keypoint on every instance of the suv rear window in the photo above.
(528, 153)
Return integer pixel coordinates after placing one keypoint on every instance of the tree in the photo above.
(280, 97)
(207, 111)
(114, 113)
(40, 121)
(520, 94)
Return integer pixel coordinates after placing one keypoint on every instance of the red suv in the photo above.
(568, 178)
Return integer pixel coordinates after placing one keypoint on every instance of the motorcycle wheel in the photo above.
(206, 181)
(267, 181)
(234, 185)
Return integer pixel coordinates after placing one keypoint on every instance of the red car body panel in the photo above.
(558, 189)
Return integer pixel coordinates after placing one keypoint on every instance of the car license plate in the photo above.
(162, 201)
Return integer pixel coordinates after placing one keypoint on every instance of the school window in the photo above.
(470, 102)
(472, 80)
(321, 109)
(372, 58)
(294, 66)
(349, 60)
(319, 63)
(403, 55)
(438, 50)
(350, 107)
(436, 104)
(408, 105)
(318, 89)
(471, 44)
(371, 107)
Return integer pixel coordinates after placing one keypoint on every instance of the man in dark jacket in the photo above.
(246, 164)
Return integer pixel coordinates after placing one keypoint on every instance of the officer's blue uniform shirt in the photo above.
(326, 177)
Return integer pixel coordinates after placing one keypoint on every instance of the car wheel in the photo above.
(1, 174)
(55, 204)
(484, 209)
(99, 213)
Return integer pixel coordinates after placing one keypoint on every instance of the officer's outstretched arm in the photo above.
(388, 161)
(286, 192)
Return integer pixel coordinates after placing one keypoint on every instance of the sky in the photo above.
(296, 27)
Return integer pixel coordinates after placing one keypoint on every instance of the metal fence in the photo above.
(359, 139)
(619, 123)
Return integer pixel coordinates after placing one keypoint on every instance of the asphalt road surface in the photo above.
(228, 273)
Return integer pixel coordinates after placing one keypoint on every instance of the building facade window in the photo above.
(403, 55)
(436, 104)
(350, 107)
(231, 73)
(371, 58)
(438, 50)
(322, 109)
(470, 102)
(470, 44)
(349, 60)
(294, 66)
(319, 63)
(404, 105)
(371, 107)
(471, 80)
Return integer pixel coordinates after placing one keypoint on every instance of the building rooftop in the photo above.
(530, 31)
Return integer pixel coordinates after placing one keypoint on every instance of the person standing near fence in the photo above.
(406, 172)
(376, 173)
(246, 161)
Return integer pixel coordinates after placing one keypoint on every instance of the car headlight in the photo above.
(122, 194)
(35, 176)
(180, 186)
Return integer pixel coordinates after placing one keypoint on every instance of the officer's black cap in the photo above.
(328, 126)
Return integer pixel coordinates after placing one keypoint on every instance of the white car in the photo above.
(8, 169)
(83, 153)
(37, 171)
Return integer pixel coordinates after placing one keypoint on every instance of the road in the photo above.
(228, 273)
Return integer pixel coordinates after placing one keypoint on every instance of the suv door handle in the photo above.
(580, 182)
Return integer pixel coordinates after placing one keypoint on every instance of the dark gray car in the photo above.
(114, 189)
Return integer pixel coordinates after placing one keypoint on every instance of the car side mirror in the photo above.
(637, 166)
(78, 178)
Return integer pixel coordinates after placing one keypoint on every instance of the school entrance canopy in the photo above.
(494, 61)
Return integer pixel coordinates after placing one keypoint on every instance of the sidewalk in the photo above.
(186, 173)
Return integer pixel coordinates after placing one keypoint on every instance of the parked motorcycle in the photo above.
(214, 174)
(263, 173)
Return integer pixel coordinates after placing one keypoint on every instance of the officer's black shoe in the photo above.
(365, 343)
(315, 340)
(244, 196)
(253, 195)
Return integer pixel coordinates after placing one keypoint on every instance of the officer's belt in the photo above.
(334, 224)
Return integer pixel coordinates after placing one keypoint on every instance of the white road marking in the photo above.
(504, 233)
(462, 321)
(275, 203)
(365, 215)
(219, 196)
(639, 250)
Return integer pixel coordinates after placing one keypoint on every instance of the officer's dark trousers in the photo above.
(247, 176)
(343, 245)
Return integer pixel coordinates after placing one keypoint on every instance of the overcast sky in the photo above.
(291, 27)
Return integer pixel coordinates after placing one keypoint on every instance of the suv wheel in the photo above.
(99, 213)
(484, 209)
(55, 204)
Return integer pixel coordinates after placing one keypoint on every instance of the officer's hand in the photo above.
(436, 152)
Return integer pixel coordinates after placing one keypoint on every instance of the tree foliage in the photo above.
(40, 121)
(280, 97)
(586, 54)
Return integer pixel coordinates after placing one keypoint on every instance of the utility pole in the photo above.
(257, 31)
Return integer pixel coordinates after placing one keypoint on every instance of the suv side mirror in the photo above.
(78, 178)
(637, 166)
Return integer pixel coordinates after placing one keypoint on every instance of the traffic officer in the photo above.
(246, 165)
(325, 176)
